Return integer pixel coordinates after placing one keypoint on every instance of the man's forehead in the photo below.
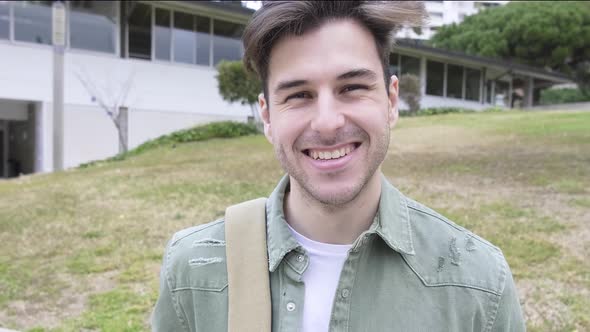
(328, 51)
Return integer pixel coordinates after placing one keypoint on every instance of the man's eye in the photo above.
(298, 95)
(354, 87)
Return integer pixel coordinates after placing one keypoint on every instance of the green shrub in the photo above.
(438, 110)
(562, 96)
(224, 129)
(409, 91)
(443, 110)
(494, 109)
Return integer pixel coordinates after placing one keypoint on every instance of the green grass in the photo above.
(82, 248)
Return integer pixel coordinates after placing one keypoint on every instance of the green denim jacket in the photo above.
(413, 270)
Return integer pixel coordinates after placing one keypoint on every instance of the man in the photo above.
(347, 251)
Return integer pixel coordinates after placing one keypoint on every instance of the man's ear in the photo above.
(265, 116)
(393, 98)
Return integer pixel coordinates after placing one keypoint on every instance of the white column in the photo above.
(59, 43)
(423, 76)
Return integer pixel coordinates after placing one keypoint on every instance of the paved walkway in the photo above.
(6, 330)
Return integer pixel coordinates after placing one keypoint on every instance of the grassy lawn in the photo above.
(81, 250)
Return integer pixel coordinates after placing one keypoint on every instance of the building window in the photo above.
(181, 37)
(163, 34)
(436, 14)
(472, 84)
(32, 21)
(410, 65)
(4, 20)
(393, 64)
(203, 32)
(489, 92)
(93, 25)
(140, 31)
(501, 97)
(184, 38)
(435, 76)
(454, 81)
(227, 43)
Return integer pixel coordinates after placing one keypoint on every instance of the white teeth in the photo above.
(327, 155)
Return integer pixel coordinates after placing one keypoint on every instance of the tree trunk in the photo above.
(122, 127)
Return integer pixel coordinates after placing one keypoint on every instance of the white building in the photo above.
(446, 12)
(170, 49)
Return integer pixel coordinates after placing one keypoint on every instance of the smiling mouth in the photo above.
(329, 154)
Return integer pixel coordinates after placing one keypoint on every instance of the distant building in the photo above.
(172, 48)
(169, 47)
(446, 12)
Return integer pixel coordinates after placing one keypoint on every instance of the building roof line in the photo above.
(408, 44)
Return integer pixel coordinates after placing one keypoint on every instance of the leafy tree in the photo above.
(409, 91)
(238, 85)
(553, 35)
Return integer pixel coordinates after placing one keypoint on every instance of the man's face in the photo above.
(328, 115)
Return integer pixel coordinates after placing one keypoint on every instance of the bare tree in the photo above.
(110, 101)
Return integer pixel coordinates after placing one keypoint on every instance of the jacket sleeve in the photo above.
(166, 315)
(509, 314)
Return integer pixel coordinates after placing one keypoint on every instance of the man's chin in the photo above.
(334, 194)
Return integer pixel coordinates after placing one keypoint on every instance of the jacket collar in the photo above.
(392, 223)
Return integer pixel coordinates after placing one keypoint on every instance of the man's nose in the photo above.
(328, 116)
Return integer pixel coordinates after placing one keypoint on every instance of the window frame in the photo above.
(212, 44)
(152, 49)
(153, 53)
(173, 9)
(10, 25)
(13, 39)
(116, 40)
(443, 85)
(479, 79)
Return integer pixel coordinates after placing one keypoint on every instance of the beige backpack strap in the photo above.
(249, 306)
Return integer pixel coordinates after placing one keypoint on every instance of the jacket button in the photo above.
(290, 306)
(345, 293)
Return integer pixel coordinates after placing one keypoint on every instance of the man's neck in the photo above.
(332, 224)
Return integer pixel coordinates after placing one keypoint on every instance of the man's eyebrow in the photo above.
(289, 84)
(358, 73)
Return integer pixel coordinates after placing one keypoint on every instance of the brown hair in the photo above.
(277, 19)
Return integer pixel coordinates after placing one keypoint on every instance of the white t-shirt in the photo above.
(321, 280)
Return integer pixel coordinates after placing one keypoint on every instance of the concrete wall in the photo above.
(562, 107)
(145, 125)
(163, 97)
(428, 101)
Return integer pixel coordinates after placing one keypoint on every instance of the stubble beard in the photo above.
(336, 200)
